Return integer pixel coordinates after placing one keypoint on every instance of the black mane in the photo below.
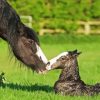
(11, 24)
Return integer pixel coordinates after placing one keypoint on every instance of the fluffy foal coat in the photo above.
(69, 82)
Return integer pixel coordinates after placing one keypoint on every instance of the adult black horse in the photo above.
(22, 39)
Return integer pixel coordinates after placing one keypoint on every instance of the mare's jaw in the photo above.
(41, 71)
(26, 51)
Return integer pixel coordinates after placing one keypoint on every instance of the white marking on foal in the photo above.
(40, 54)
(52, 61)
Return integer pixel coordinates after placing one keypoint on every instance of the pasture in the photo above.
(23, 84)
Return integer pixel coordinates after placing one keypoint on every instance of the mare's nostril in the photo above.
(40, 58)
(48, 63)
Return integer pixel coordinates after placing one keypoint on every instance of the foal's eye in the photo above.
(62, 58)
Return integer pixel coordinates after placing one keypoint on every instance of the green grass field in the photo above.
(23, 84)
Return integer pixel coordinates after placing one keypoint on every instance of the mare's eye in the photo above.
(40, 58)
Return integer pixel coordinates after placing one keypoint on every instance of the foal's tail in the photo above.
(92, 89)
(96, 88)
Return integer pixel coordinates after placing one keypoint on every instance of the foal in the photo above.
(69, 82)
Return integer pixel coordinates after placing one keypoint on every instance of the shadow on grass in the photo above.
(29, 88)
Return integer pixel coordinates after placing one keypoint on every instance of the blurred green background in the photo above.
(60, 9)
(58, 12)
(22, 83)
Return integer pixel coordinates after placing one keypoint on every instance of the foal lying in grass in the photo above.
(69, 82)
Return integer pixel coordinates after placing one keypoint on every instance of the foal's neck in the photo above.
(70, 72)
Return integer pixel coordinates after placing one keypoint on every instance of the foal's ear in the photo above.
(75, 51)
(78, 53)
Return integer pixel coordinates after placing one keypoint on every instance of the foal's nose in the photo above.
(52, 66)
(48, 67)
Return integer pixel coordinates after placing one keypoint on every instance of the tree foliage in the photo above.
(58, 9)
(66, 9)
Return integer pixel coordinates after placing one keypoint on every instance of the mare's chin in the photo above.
(41, 71)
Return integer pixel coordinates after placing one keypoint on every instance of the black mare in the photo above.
(22, 39)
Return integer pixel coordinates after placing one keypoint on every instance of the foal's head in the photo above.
(65, 60)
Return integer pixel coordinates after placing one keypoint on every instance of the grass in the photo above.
(23, 84)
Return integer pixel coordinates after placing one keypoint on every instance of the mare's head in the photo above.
(63, 60)
(23, 40)
(26, 48)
